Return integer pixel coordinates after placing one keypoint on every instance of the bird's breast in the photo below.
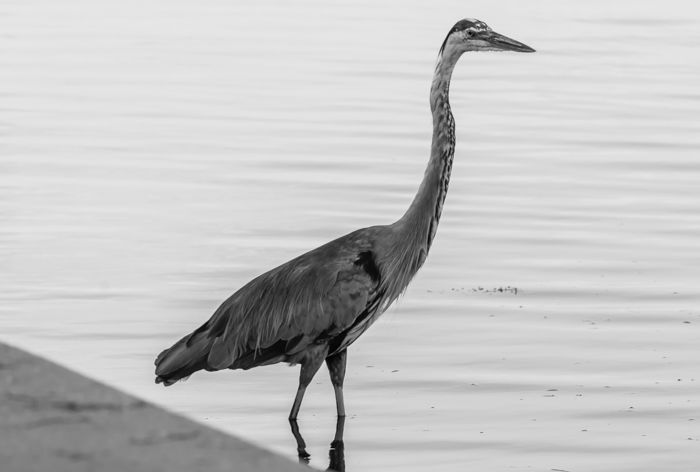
(356, 330)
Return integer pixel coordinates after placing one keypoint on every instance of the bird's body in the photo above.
(313, 307)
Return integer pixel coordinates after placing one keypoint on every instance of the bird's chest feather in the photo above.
(369, 315)
(359, 328)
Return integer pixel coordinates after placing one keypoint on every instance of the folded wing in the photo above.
(310, 299)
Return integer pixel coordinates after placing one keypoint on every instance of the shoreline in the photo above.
(52, 418)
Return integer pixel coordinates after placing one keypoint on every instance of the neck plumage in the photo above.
(421, 219)
(414, 232)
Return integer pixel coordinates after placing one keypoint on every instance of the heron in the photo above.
(312, 308)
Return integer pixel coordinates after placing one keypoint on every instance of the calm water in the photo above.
(154, 156)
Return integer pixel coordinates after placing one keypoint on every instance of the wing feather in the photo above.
(310, 298)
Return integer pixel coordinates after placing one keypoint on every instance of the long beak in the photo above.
(503, 42)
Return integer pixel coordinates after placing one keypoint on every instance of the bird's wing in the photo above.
(313, 297)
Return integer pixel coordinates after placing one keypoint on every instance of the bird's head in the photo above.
(474, 35)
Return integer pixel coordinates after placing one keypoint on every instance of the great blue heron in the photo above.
(314, 306)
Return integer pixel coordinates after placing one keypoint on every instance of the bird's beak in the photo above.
(505, 43)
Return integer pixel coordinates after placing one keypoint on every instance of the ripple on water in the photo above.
(151, 168)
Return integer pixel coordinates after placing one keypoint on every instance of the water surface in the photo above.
(156, 156)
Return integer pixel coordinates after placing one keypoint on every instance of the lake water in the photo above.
(155, 156)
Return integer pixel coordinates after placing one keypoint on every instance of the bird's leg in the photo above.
(336, 367)
(309, 366)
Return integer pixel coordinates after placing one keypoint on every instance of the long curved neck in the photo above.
(413, 234)
(421, 219)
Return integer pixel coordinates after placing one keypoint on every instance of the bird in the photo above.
(310, 309)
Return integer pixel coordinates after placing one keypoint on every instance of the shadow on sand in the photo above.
(336, 453)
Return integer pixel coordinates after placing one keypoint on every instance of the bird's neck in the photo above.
(420, 221)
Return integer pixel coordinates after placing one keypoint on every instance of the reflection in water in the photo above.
(336, 453)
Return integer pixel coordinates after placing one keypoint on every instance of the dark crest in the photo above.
(461, 25)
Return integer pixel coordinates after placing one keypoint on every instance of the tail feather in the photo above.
(185, 357)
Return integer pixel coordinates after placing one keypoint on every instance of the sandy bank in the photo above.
(53, 419)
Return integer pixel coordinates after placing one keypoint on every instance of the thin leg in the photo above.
(336, 367)
(310, 365)
(297, 402)
(339, 429)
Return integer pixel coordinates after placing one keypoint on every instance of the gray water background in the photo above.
(155, 156)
